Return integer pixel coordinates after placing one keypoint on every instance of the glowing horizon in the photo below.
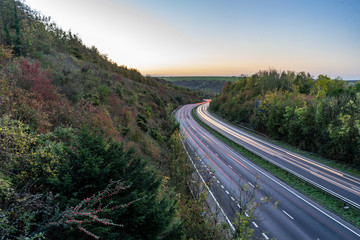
(217, 38)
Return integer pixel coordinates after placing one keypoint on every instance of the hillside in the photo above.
(206, 87)
(89, 149)
(319, 115)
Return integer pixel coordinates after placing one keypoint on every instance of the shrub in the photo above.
(32, 77)
(15, 141)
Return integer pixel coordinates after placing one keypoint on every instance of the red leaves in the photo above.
(34, 78)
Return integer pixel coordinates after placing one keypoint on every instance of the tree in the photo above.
(86, 165)
(247, 214)
(357, 87)
(33, 77)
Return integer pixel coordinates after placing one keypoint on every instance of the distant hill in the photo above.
(202, 78)
(206, 86)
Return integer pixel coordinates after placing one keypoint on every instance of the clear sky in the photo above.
(217, 37)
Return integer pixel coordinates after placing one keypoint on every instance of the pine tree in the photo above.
(87, 167)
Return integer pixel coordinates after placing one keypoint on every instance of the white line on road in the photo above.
(216, 154)
(227, 192)
(232, 198)
(288, 215)
(255, 224)
(247, 215)
(218, 181)
(295, 194)
(266, 237)
(230, 166)
(238, 206)
(212, 195)
(250, 184)
(222, 186)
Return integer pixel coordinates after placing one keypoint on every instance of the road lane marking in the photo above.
(230, 166)
(266, 237)
(206, 138)
(300, 197)
(232, 198)
(218, 181)
(216, 154)
(288, 215)
(251, 184)
(355, 188)
(238, 206)
(212, 195)
(222, 186)
(255, 224)
(247, 215)
(257, 143)
(227, 192)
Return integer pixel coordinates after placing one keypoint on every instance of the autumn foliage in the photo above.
(34, 78)
(83, 141)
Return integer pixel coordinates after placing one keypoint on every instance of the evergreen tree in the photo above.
(86, 167)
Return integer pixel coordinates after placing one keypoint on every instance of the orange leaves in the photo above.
(95, 118)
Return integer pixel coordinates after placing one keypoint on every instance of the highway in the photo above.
(294, 216)
(330, 180)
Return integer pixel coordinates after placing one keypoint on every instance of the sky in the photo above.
(217, 37)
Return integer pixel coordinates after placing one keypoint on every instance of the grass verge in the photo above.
(351, 215)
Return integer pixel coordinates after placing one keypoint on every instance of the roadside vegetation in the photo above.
(320, 115)
(317, 115)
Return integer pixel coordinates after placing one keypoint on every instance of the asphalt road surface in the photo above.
(287, 214)
(332, 181)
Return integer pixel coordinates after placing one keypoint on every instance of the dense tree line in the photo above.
(320, 115)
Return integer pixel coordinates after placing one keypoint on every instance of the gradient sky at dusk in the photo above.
(217, 37)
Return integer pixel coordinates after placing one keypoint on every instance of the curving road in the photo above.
(332, 181)
(294, 217)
